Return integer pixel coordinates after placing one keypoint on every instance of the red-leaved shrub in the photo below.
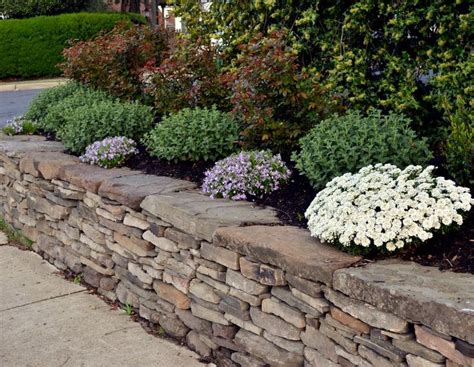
(114, 61)
(188, 77)
(274, 99)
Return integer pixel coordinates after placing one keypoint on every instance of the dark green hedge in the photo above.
(32, 47)
(32, 8)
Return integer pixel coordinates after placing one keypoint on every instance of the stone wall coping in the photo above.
(194, 212)
(18, 146)
(289, 248)
(444, 301)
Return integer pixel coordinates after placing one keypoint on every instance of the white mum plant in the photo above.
(386, 207)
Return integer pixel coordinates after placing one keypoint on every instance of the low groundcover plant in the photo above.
(252, 173)
(386, 208)
(110, 152)
(18, 125)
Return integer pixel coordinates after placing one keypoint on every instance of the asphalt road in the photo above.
(15, 103)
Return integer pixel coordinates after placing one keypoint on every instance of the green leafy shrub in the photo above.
(460, 149)
(114, 61)
(347, 143)
(38, 107)
(100, 119)
(57, 113)
(194, 135)
(33, 8)
(32, 47)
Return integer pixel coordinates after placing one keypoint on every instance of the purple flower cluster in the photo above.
(15, 124)
(110, 152)
(253, 173)
(18, 125)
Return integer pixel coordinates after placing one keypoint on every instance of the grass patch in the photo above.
(15, 237)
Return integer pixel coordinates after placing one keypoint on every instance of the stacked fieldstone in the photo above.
(217, 275)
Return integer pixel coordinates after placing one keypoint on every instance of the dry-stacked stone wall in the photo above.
(225, 276)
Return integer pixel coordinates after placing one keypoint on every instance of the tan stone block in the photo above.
(417, 361)
(171, 294)
(443, 346)
(281, 309)
(220, 255)
(136, 246)
(349, 321)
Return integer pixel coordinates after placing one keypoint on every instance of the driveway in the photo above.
(15, 103)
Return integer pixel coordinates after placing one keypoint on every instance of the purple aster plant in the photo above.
(244, 174)
(18, 125)
(110, 152)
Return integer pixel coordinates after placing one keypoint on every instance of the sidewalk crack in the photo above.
(43, 300)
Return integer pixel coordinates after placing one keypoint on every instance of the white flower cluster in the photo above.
(386, 207)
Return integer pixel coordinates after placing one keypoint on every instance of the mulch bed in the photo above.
(454, 251)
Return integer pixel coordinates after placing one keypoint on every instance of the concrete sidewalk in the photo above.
(48, 321)
(31, 84)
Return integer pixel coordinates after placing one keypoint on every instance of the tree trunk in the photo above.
(153, 13)
(134, 6)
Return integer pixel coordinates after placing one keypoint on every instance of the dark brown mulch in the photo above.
(452, 251)
(191, 171)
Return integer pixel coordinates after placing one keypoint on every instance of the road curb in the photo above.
(31, 85)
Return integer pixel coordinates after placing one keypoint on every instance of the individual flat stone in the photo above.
(249, 298)
(171, 294)
(415, 292)
(199, 215)
(243, 324)
(262, 273)
(261, 348)
(319, 304)
(237, 280)
(203, 291)
(445, 347)
(91, 177)
(412, 347)
(366, 313)
(289, 345)
(286, 296)
(184, 240)
(282, 310)
(288, 248)
(349, 321)
(274, 324)
(133, 221)
(308, 287)
(417, 361)
(193, 322)
(220, 255)
(131, 190)
(160, 242)
(135, 245)
(208, 314)
(383, 348)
